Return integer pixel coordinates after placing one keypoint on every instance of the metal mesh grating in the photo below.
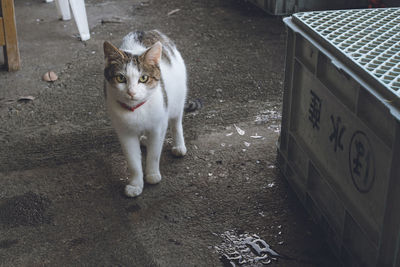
(370, 37)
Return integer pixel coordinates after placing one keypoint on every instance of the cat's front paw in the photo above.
(179, 151)
(133, 190)
(153, 178)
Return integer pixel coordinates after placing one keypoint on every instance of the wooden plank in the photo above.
(10, 33)
(2, 39)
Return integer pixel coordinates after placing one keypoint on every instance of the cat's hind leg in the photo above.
(131, 148)
(178, 148)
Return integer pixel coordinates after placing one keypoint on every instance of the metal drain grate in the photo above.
(370, 37)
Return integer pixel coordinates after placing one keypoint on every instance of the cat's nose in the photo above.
(131, 94)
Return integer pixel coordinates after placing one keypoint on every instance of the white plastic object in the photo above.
(63, 9)
(79, 12)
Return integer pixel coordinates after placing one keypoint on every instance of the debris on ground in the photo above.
(245, 249)
(173, 11)
(239, 131)
(26, 98)
(50, 76)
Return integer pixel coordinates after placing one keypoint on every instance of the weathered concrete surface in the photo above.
(62, 172)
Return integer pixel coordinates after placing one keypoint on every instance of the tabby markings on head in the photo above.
(118, 61)
(149, 38)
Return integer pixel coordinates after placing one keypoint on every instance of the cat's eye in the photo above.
(143, 78)
(120, 78)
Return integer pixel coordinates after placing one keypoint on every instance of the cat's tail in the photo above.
(193, 105)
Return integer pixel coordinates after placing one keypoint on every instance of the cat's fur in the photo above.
(153, 54)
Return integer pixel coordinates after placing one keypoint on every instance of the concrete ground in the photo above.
(62, 172)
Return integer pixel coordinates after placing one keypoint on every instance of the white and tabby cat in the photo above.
(145, 88)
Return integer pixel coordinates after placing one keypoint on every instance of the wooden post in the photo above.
(2, 38)
(9, 29)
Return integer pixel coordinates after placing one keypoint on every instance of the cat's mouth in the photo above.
(130, 108)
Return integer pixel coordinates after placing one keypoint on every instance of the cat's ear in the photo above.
(153, 54)
(111, 52)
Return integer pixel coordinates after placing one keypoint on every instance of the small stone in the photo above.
(50, 76)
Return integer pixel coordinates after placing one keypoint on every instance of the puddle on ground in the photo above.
(25, 210)
(244, 249)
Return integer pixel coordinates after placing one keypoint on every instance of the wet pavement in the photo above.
(62, 172)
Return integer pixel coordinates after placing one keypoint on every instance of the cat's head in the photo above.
(132, 78)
